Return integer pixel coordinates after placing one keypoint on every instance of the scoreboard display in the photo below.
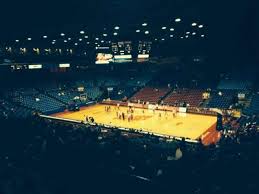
(144, 49)
(122, 48)
(45, 66)
(122, 51)
(103, 55)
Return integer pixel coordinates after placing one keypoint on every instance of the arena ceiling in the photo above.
(58, 15)
(232, 23)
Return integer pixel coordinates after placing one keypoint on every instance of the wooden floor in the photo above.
(183, 125)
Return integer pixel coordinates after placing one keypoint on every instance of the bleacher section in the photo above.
(10, 110)
(85, 83)
(178, 97)
(122, 93)
(57, 96)
(221, 99)
(93, 93)
(234, 85)
(138, 81)
(254, 106)
(151, 95)
(66, 96)
(107, 81)
(39, 102)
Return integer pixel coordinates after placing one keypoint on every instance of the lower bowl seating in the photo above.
(191, 97)
(151, 95)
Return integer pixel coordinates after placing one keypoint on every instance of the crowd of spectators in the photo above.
(240, 129)
(47, 156)
(42, 156)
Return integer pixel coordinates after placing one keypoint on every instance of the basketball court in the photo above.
(186, 125)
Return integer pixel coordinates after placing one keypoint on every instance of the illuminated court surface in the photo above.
(183, 125)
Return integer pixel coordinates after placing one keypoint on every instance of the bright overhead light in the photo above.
(202, 35)
(104, 35)
(200, 26)
(65, 40)
(28, 38)
(62, 34)
(144, 24)
(102, 41)
(53, 42)
(177, 20)
(194, 33)
(69, 39)
(194, 24)
(115, 33)
(86, 36)
(181, 37)
(162, 39)
(82, 32)
(116, 27)
(186, 36)
(171, 36)
(147, 32)
(164, 28)
(188, 32)
(80, 39)
(137, 31)
(96, 38)
(88, 43)
(76, 44)
(45, 36)
(171, 29)
(16, 40)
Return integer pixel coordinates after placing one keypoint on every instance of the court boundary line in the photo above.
(122, 129)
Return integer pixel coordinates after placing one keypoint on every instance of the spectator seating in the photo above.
(221, 99)
(254, 106)
(107, 81)
(65, 96)
(85, 83)
(191, 97)
(93, 93)
(151, 95)
(40, 102)
(121, 93)
(138, 81)
(234, 85)
(10, 110)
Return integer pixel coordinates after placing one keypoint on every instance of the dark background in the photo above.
(233, 25)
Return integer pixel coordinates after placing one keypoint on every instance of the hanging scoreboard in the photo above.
(103, 55)
(122, 51)
(144, 49)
